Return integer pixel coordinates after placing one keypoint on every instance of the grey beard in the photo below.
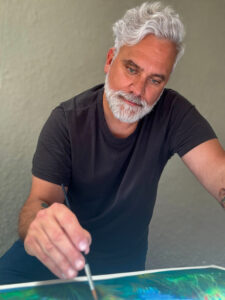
(122, 110)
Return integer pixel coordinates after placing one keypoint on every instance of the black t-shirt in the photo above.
(113, 181)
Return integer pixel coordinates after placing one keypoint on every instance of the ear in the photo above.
(109, 58)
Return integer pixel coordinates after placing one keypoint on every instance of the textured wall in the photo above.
(52, 49)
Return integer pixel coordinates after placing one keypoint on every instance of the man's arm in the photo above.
(42, 195)
(51, 232)
(207, 163)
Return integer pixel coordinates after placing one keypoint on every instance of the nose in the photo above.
(137, 87)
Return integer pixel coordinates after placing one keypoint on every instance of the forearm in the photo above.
(215, 184)
(207, 163)
(42, 194)
(28, 214)
(218, 188)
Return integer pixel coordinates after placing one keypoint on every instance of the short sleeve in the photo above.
(189, 130)
(52, 159)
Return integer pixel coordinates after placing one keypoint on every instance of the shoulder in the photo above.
(186, 127)
(78, 106)
(172, 106)
(68, 111)
(171, 100)
(84, 100)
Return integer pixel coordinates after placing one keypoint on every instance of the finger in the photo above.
(69, 222)
(58, 246)
(49, 263)
(54, 259)
(47, 220)
(32, 248)
(42, 232)
(88, 236)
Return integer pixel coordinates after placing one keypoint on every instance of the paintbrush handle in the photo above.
(86, 267)
(65, 196)
(90, 281)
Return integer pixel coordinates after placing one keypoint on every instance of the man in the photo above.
(109, 146)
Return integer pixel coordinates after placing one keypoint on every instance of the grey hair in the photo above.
(150, 18)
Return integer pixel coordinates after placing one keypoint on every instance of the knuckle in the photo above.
(56, 206)
(73, 256)
(63, 263)
(80, 233)
(49, 247)
(28, 245)
(45, 259)
(28, 241)
(70, 219)
(41, 213)
(57, 236)
(33, 226)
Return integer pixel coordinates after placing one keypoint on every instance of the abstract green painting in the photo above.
(201, 283)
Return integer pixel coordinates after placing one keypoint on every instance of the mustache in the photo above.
(130, 97)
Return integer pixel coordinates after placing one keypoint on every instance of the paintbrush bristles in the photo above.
(94, 294)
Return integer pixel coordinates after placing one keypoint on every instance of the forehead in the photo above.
(151, 52)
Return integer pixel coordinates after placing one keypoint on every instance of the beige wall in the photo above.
(52, 49)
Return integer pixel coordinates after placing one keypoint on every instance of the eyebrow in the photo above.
(131, 63)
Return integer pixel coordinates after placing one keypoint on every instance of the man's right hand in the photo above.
(54, 235)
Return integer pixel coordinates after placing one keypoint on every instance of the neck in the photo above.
(119, 129)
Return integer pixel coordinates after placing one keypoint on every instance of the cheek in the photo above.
(117, 79)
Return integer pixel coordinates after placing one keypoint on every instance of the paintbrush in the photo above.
(86, 266)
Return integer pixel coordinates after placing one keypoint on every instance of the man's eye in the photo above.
(155, 82)
(131, 70)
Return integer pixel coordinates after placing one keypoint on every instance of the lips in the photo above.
(129, 102)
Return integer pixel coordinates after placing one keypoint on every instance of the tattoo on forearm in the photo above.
(223, 202)
(44, 205)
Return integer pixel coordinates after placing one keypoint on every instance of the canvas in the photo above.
(202, 283)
